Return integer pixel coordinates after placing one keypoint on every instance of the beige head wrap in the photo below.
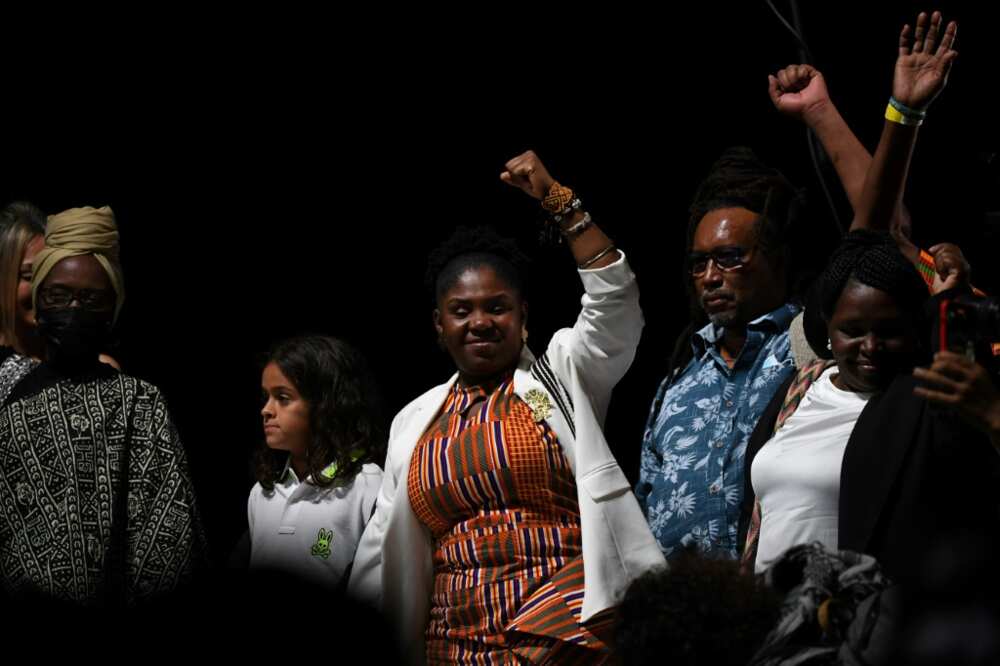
(76, 232)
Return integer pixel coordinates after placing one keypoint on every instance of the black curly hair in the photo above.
(345, 410)
(871, 258)
(738, 179)
(469, 247)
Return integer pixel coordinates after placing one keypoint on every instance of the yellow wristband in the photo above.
(893, 115)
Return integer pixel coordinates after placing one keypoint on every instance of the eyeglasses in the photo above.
(725, 258)
(89, 299)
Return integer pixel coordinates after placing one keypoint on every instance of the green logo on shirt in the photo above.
(322, 546)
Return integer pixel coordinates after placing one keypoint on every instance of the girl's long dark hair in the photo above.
(345, 411)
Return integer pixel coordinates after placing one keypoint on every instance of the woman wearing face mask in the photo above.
(103, 511)
(22, 237)
(500, 494)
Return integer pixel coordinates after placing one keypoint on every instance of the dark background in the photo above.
(274, 175)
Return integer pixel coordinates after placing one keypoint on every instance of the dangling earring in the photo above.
(829, 345)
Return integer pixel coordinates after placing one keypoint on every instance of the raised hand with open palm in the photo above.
(924, 63)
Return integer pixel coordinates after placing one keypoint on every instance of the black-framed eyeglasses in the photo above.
(727, 258)
(89, 299)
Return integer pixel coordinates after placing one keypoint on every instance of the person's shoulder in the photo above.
(133, 386)
(131, 382)
(256, 492)
(905, 409)
(141, 394)
(367, 481)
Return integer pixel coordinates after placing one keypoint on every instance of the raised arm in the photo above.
(586, 240)
(800, 92)
(921, 73)
(602, 342)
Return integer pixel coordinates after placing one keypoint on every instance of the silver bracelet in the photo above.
(609, 249)
(578, 228)
(573, 206)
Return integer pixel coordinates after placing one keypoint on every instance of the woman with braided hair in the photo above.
(849, 455)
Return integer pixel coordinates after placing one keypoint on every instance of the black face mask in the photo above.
(75, 336)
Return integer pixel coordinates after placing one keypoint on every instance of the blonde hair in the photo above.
(20, 223)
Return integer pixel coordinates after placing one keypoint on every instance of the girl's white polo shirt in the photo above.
(309, 531)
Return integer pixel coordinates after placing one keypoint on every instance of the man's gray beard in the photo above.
(722, 318)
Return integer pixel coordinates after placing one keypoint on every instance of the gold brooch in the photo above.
(539, 403)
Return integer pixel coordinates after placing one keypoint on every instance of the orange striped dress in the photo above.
(499, 498)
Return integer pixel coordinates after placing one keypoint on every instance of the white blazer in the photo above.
(393, 565)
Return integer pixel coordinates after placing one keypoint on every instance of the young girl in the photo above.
(317, 479)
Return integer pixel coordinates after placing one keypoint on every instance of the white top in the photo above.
(309, 531)
(796, 474)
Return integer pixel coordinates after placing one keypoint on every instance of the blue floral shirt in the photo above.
(691, 471)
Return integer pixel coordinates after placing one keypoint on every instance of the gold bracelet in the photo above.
(598, 256)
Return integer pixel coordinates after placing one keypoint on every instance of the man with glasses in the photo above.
(741, 275)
